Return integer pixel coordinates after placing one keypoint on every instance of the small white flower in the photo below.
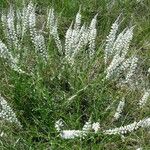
(87, 126)
(96, 126)
(59, 125)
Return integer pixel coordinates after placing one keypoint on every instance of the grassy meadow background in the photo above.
(42, 99)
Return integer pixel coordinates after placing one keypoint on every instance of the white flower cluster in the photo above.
(116, 50)
(120, 65)
(110, 40)
(37, 39)
(122, 129)
(12, 52)
(6, 113)
(76, 37)
(16, 25)
(114, 66)
(9, 29)
(92, 36)
(119, 109)
(71, 134)
(144, 99)
(87, 128)
(129, 128)
(6, 54)
(23, 18)
(53, 29)
(132, 69)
